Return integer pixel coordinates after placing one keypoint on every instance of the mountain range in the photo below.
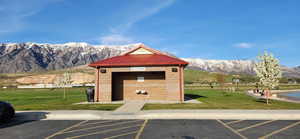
(33, 57)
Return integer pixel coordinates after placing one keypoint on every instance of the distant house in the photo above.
(140, 74)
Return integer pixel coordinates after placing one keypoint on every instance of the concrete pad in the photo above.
(187, 100)
(130, 107)
(113, 102)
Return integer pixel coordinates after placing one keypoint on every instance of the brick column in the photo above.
(97, 93)
(180, 84)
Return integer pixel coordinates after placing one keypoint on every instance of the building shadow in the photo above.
(261, 100)
(192, 96)
(23, 118)
(188, 137)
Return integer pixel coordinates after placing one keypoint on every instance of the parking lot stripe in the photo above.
(141, 129)
(100, 132)
(280, 130)
(61, 131)
(234, 131)
(120, 135)
(102, 126)
(102, 122)
(256, 125)
(233, 122)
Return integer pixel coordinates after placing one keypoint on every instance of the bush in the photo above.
(7, 112)
(188, 82)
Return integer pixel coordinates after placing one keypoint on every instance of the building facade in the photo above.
(140, 74)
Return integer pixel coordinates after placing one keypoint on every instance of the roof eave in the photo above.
(133, 65)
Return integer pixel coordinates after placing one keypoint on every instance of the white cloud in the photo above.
(13, 13)
(244, 45)
(170, 51)
(133, 17)
(145, 12)
(115, 39)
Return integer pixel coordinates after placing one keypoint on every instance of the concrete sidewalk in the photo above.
(277, 97)
(61, 115)
(130, 107)
(164, 114)
(223, 114)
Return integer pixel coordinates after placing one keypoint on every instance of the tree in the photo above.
(64, 81)
(220, 79)
(268, 71)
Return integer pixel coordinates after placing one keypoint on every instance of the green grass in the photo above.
(216, 99)
(50, 99)
(192, 76)
(242, 87)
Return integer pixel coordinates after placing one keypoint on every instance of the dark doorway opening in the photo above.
(132, 80)
(117, 86)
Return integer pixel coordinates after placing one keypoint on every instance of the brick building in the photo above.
(140, 74)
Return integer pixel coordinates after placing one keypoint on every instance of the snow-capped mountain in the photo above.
(225, 66)
(32, 57)
(234, 67)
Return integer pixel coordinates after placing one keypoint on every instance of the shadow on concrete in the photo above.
(192, 96)
(188, 137)
(262, 100)
(24, 117)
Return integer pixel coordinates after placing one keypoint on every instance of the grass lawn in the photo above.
(50, 99)
(216, 99)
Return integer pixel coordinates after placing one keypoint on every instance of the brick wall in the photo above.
(157, 88)
(154, 84)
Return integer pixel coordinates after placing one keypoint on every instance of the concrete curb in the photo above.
(75, 115)
(224, 114)
(163, 114)
(60, 115)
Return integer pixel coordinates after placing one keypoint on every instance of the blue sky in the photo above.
(209, 29)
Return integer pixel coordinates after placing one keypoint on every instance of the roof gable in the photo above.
(141, 51)
(140, 56)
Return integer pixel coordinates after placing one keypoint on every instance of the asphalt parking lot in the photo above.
(150, 129)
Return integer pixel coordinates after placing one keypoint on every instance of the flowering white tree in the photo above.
(268, 70)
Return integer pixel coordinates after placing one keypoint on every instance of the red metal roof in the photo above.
(156, 59)
(138, 60)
